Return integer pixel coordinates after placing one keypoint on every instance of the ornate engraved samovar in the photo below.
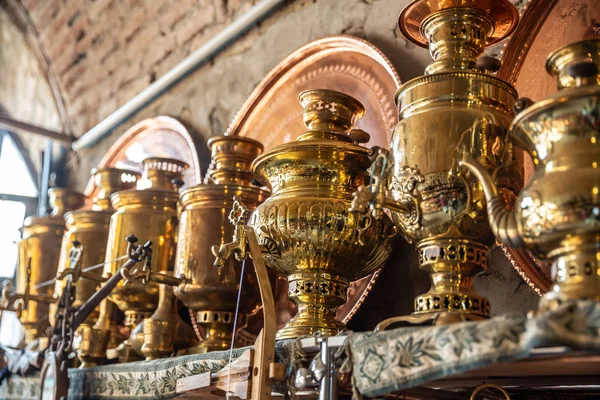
(457, 100)
(557, 215)
(149, 212)
(89, 227)
(304, 228)
(211, 292)
(38, 261)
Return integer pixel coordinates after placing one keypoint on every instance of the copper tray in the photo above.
(273, 115)
(153, 137)
(545, 26)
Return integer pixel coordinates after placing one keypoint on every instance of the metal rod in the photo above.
(209, 50)
(9, 123)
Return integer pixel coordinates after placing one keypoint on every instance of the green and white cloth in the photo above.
(385, 362)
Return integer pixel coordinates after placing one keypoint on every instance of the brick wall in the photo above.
(104, 52)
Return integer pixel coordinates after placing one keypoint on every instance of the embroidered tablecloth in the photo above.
(155, 379)
(385, 362)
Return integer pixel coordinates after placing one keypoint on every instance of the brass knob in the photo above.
(359, 136)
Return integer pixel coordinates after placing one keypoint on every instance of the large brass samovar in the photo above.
(304, 228)
(557, 215)
(212, 292)
(149, 212)
(38, 261)
(457, 100)
(89, 227)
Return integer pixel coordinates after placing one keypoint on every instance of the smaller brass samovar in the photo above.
(38, 262)
(90, 229)
(457, 100)
(305, 229)
(557, 215)
(149, 212)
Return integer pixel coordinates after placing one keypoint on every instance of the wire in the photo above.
(93, 267)
(235, 318)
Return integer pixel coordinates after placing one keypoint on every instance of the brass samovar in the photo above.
(210, 292)
(456, 101)
(304, 228)
(38, 261)
(149, 212)
(557, 215)
(89, 228)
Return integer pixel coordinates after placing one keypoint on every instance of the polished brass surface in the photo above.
(504, 14)
(304, 227)
(151, 214)
(161, 330)
(90, 229)
(557, 222)
(38, 262)
(212, 292)
(91, 344)
(438, 209)
(270, 114)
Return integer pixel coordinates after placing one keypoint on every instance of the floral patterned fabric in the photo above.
(155, 379)
(385, 362)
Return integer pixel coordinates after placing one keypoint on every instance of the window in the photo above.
(18, 198)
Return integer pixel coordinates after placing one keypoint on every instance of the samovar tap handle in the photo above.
(238, 247)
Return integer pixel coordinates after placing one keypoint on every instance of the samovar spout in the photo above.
(223, 252)
(503, 222)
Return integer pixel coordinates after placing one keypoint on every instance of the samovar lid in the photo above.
(329, 117)
(504, 13)
(162, 174)
(231, 159)
(110, 180)
(62, 200)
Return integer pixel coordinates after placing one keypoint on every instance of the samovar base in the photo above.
(308, 325)
(317, 295)
(218, 326)
(576, 276)
(91, 345)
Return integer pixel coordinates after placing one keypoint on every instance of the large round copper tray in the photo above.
(545, 26)
(273, 115)
(153, 137)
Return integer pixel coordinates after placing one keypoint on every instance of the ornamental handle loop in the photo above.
(489, 386)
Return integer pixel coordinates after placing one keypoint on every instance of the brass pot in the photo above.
(557, 215)
(212, 292)
(456, 102)
(39, 249)
(90, 229)
(305, 229)
(150, 214)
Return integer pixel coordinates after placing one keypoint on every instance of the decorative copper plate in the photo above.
(273, 115)
(153, 137)
(505, 14)
(545, 26)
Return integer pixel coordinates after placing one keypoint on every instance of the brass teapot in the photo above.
(305, 230)
(441, 212)
(557, 215)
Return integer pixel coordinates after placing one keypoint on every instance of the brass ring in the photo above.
(486, 386)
